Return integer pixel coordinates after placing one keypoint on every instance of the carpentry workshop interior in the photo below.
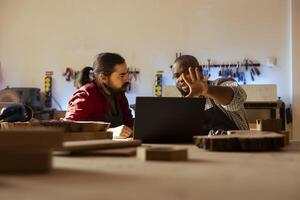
(157, 99)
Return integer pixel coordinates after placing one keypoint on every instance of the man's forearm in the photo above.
(220, 94)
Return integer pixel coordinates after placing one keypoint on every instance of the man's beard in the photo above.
(117, 91)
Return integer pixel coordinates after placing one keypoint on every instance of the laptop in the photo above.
(169, 119)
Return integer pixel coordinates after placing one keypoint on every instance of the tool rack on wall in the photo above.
(236, 70)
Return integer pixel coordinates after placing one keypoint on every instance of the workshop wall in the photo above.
(37, 36)
(296, 67)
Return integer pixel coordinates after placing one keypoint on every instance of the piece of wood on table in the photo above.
(123, 152)
(67, 129)
(28, 150)
(95, 135)
(282, 132)
(241, 141)
(70, 126)
(89, 145)
(31, 138)
(39, 161)
(12, 125)
(77, 126)
(65, 126)
(93, 125)
(162, 153)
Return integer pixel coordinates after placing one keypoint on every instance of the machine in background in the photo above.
(31, 97)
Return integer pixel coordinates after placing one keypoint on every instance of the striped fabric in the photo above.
(235, 110)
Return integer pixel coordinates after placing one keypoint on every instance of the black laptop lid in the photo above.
(168, 119)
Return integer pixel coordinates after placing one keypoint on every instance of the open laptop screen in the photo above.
(168, 119)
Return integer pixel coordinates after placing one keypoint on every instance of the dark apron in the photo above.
(115, 118)
(216, 119)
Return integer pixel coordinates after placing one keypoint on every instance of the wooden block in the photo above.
(268, 124)
(241, 141)
(89, 145)
(162, 153)
(26, 162)
(28, 150)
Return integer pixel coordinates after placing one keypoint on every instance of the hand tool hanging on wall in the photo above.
(68, 74)
(237, 70)
(132, 77)
(71, 74)
(206, 67)
(178, 54)
(254, 68)
(246, 63)
(252, 73)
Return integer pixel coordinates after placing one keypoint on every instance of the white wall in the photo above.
(36, 36)
(296, 67)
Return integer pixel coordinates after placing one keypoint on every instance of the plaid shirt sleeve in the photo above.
(235, 110)
(239, 96)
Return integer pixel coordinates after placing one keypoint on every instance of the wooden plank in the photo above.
(77, 126)
(162, 153)
(68, 126)
(97, 144)
(66, 136)
(131, 151)
(12, 125)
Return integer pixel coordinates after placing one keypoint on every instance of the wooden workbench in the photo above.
(207, 175)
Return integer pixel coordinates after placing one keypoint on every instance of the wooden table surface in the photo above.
(207, 175)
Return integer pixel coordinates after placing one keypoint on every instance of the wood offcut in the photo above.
(242, 141)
